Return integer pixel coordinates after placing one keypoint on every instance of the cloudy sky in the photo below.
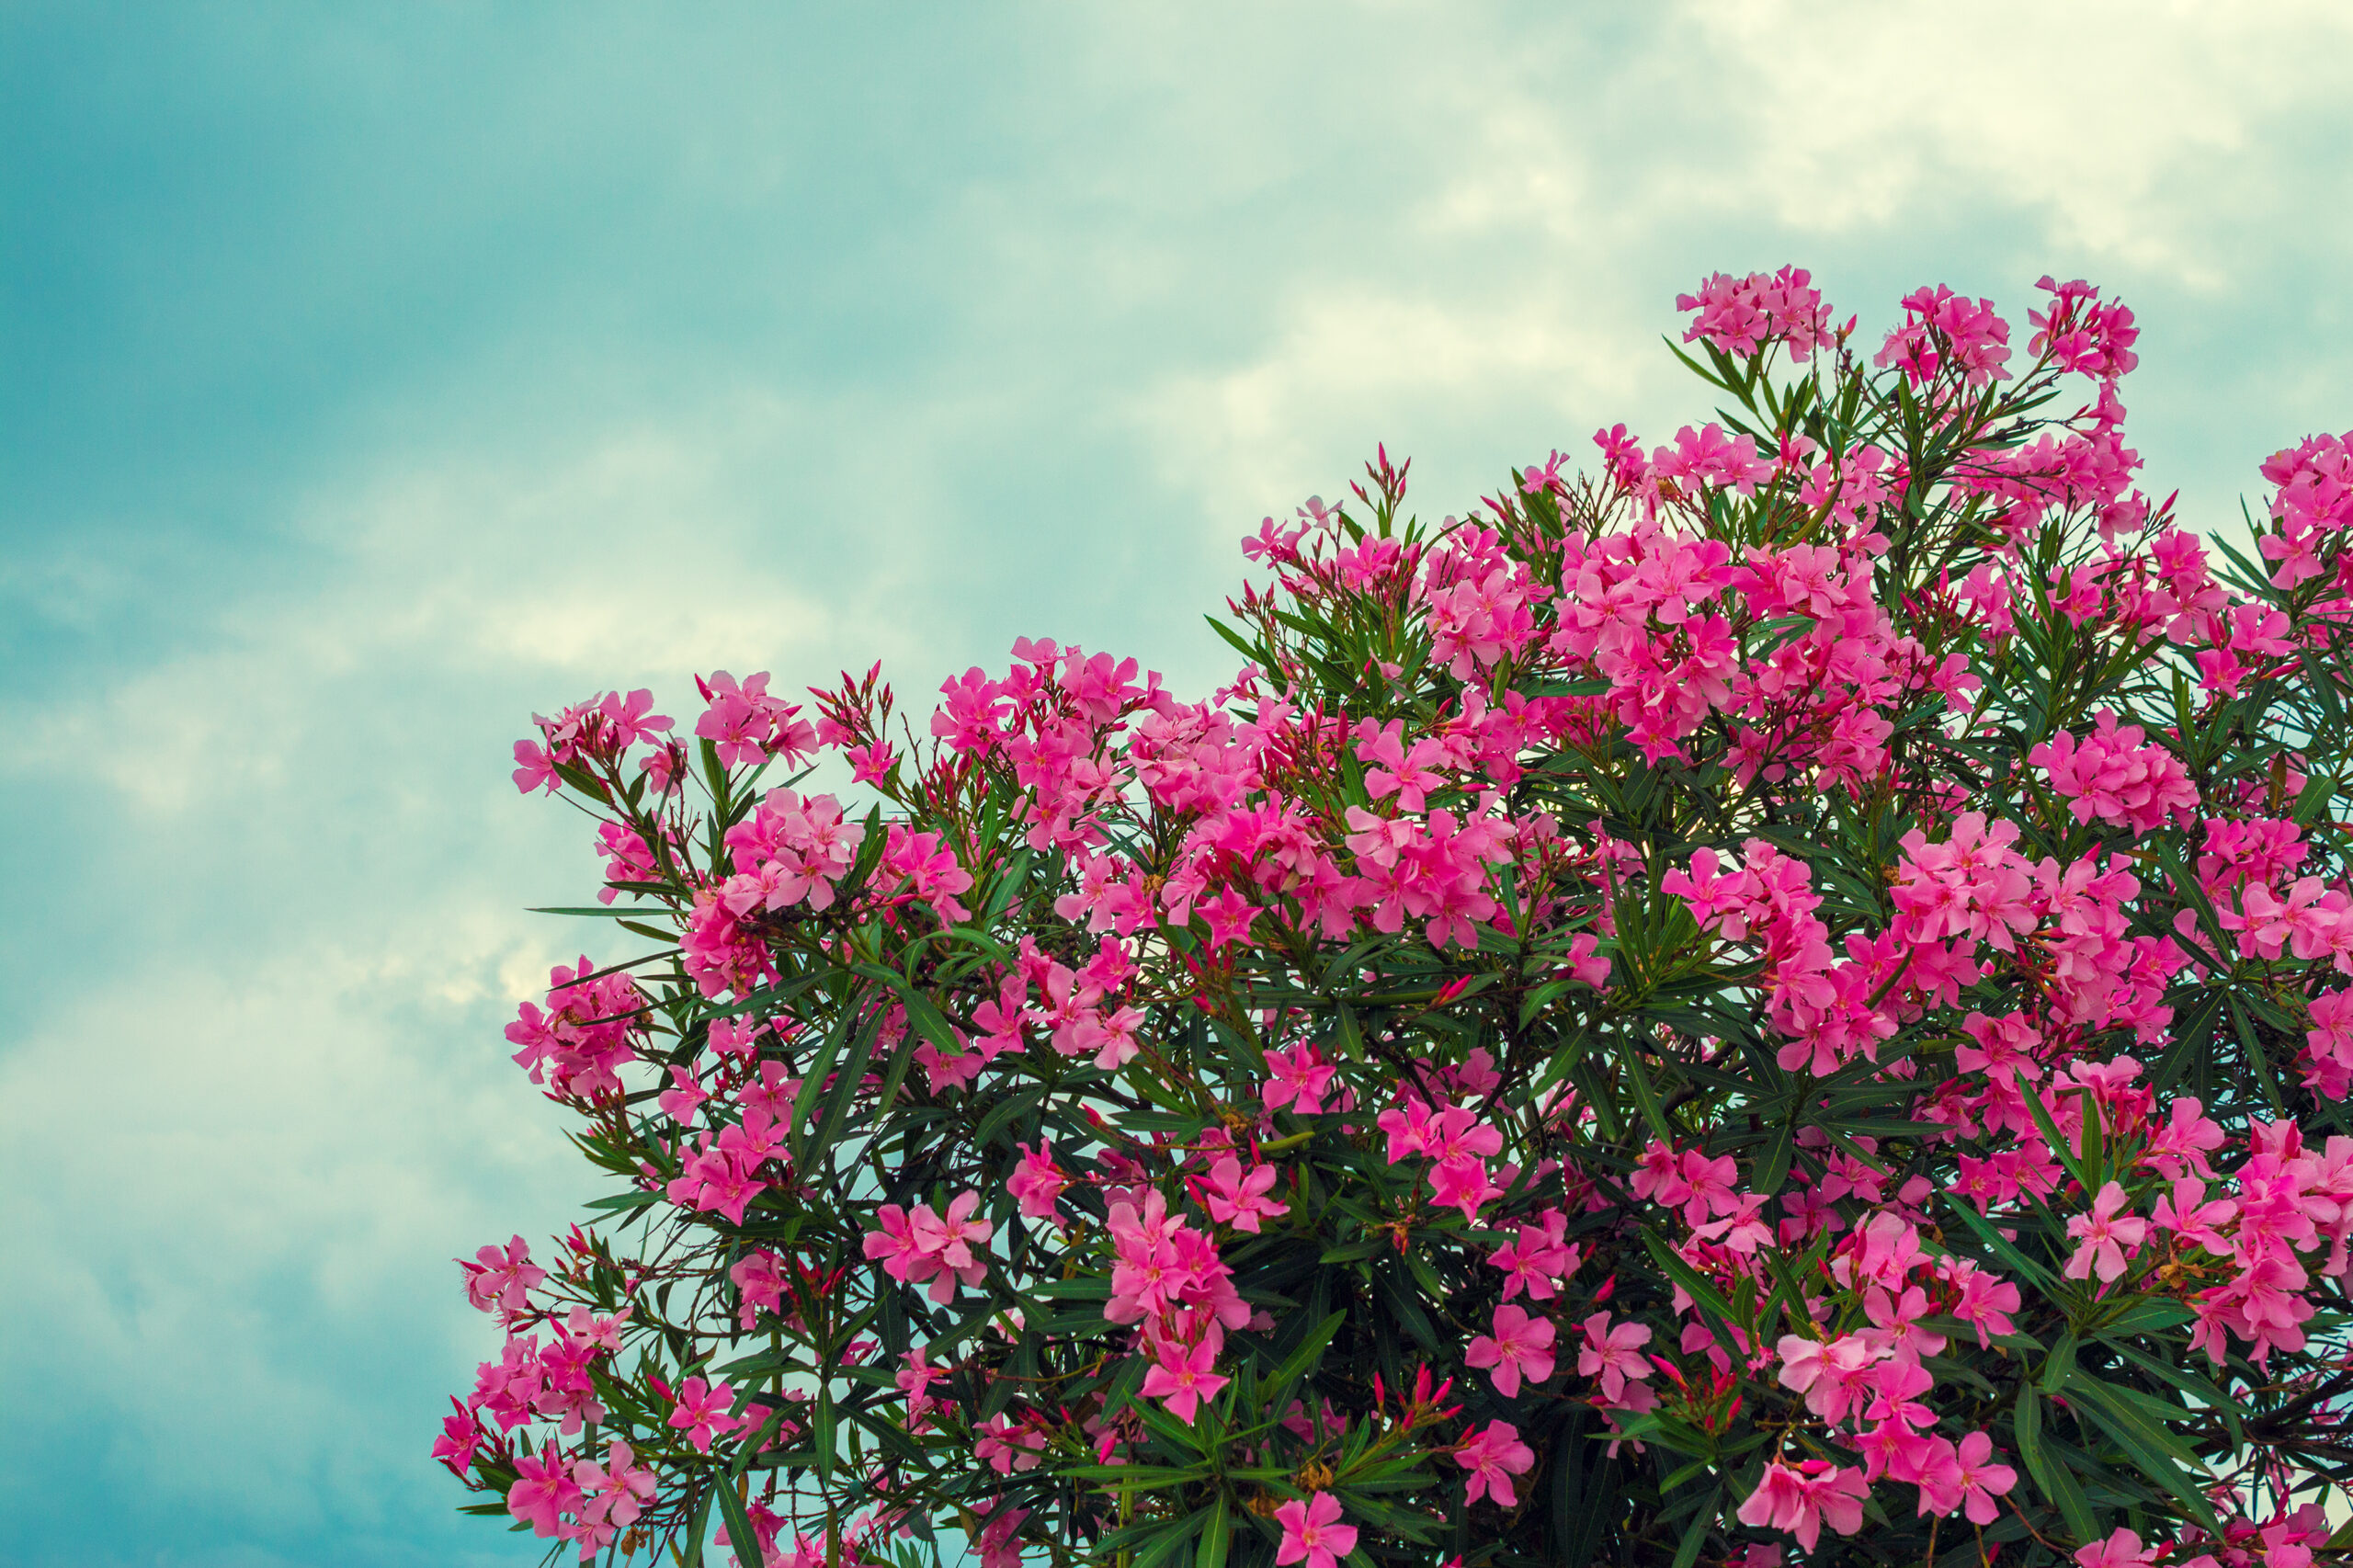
(373, 377)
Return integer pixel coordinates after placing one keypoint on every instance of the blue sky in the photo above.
(373, 377)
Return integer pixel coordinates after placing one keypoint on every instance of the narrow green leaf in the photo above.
(1695, 1532)
(1214, 1536)
(741, 1537)
(2159, 1455)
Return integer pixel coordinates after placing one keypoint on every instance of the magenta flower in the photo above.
(1036, 1182)
(2122, 1549)
(1239, 1199)
(704, 1411)
(617, 1491)
(1492, 1457)
(502, 1279)
(1313, 1533)
(1296, 1078)
(2103, 1235)
(1613, 1355)
(1980, 1480)
(1184, 1377)
(1520, 1346)
(1801, 1500)
(544, 1489)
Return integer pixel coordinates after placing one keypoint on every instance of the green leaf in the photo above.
(1646, 1095)
(600, 910)
(2002, 1247)
(2058, 1365)
(741, 1537)
(1214, 1536)
(2175, 1372)
(701, 1513)
(1695, 1533)
(1774, 1164)
(2051, 1478)
(2059, 1145)
(850, 1075)
(1302, 1360)
(2159, 1455)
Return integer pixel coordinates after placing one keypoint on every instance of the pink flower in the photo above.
(1462, 1184)
(1313, 1533)
(542, 1489)
(616, 1490)
(502, 1279)
(704, 1411)
(1833, 1377)
(1492, 1457)
(1297, 1078)
(1038, 1182)
(1981, 1479)
(1614, 1355)
(1537, 1258)
(2186, 1212)
(2122, 1550)
(1238, 1199)
(920, 1245)
(914, 1381)
(2104, 1235)
(761, 1284)
(998, 1548)
(1801, 1500)
(1229, 917)
(1183, 1377)
(1520, 1346)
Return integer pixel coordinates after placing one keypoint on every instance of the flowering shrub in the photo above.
(1794, 995)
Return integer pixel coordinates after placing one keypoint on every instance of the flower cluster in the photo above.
(1791, 994)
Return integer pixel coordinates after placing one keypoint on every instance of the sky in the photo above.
(374, 377)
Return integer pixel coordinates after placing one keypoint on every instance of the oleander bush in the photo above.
(1783, 997)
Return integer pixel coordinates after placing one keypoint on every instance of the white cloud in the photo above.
(259, 1177)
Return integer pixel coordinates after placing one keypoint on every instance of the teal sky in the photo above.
(372, 376)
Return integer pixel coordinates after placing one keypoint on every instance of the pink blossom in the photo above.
(1520, 1346)
(2122, 1549)
(1231, 1196)
(1297, 1078)
(1614, 1355)
(1833, 1377)
(1803, 1499)
(919, 1245)
(1182, 1378)
(1973, 1482)
(502, 1279)
(616, 1490)
(2103, 1234)
(544, 1489)
(1492, 1457)
(1537, 1258)
(1741, 315)
(1313, 1533)
(1037, 1183)
(759, 1283)
(703, 1411)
